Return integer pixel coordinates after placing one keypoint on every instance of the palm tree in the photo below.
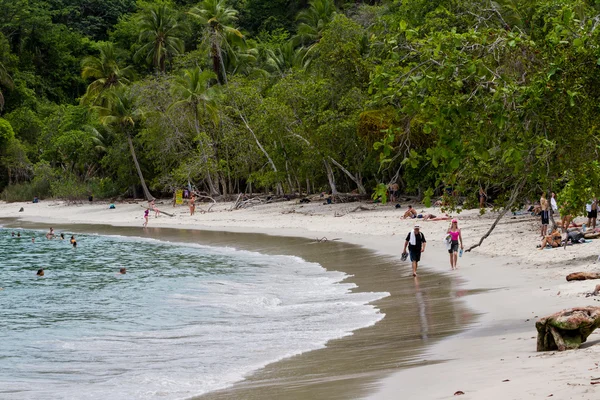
(216, 16)
(285, 57)
(313, 20)
(6, 81)
(121, 115)
(105, 71)
(159, 35)
(192, 88)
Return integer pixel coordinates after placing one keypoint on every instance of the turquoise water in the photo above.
(183, 321)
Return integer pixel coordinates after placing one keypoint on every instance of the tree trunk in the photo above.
(507, 207)
(149, 197)
(359, 185)
(279, 187)
(330, 178)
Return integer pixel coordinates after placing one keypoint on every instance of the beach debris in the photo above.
(567, 329)
(596, 292)
(459, 393)
(506, 380)
(324, 239)
(21, 209)
(582, 276)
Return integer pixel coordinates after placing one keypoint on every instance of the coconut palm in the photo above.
(284, 57)
(160, 36)
(105, 71)
(313, 20)
(217, 17)
(121, 115)
(192, 89)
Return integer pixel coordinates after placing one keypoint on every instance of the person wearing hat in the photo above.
(455, 237)
(415, 241)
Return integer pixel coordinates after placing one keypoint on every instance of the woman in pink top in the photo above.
(455, 238)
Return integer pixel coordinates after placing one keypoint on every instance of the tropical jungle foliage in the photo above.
(125, 98)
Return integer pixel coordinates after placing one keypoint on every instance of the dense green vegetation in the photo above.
(128, 98)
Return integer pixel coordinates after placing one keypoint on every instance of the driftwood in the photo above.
(324, 239)
(567, 329)
(359, 208)
(582, 276)
(201, 196)
(160, 211)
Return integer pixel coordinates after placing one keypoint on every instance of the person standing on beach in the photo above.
(592, 213)
(482, 196)
(146, 217)
(192, 203)
(415, 241)
(545, 214)
(553, 203)
(455, 237)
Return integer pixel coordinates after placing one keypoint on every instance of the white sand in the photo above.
(526, 283)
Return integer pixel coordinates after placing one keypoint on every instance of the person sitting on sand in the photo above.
(40, 272)
(73, 241)
(553, 239)
(410, 213)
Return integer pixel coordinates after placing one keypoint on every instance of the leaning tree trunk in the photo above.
(264, 151)
(330, 178)
(149, 197)
(359, 185)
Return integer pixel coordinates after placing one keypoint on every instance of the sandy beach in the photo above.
(514, 284)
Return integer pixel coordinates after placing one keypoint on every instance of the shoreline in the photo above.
(347, 366)
(493, 358)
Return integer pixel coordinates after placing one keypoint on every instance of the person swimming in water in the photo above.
(50, 234)
(123, 271)
(40, 272)
(18, 235)
(62, 236)
(73, 241)
(33, 239)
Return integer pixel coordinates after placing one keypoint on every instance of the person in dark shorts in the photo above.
(592, 213)
(415, 241)
(545, 214)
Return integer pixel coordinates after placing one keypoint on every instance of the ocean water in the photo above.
(185, 319)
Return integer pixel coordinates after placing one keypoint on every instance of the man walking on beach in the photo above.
(415, 241)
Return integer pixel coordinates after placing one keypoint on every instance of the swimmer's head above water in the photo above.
(40, 272)
(123, 271)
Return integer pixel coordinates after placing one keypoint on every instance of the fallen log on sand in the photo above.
(582, 276)
(567, 329)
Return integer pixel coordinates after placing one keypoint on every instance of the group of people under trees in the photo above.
(565, 232)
